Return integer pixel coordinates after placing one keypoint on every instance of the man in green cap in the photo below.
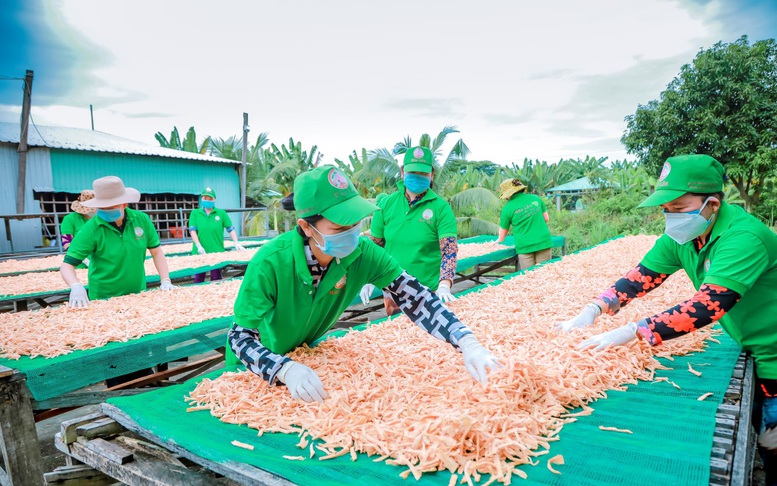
(298, 284)
(206, 226)
(731, 258)
(417, 228)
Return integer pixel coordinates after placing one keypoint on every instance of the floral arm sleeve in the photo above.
(251, 352)
(424, 308)
(638, 282)
(448, 248)
(381, 242)
(66, 239)
(709, 304)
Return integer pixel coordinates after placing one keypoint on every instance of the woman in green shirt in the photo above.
(207, 225)
(115, 241)
(417, 228)
(298, 285)
(731, 258)
(73, 221)
(528, 216)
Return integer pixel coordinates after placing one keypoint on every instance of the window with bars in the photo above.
(168, 212)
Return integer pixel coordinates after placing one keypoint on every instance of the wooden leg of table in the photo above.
(21, 452)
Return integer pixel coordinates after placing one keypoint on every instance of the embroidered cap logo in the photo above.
(337, 179)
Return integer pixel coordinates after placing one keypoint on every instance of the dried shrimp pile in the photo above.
(397, 393)
(468, 250)
(59, 330)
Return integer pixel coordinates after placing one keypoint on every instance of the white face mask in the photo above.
(684, 227)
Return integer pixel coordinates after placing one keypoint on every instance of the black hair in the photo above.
(718, 195)
(287, 203)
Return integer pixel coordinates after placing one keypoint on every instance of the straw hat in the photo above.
(110, 191)
(510, 187)
(79, 208)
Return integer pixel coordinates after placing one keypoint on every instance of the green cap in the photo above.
(686, 173)
(208, 192)
(325, 190)
(418, 159)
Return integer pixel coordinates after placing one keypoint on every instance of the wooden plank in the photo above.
(143, 471)
(68, 427)
(80, 475)
(109, 450)
(242, 473)
(5, 371)
(81, 399)
(21, 452)
(98, 428)
(744, 450)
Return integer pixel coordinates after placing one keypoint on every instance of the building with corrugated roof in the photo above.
(61, 162)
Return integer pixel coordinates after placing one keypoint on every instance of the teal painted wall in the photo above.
(72, 171)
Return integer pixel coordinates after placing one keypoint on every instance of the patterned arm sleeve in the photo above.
(66, 239)
(449, 249)
(424, 308)
(381, 242)
(709, 304)
(637, 283)
(249, 350)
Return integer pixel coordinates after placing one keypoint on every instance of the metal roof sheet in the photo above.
(95, 141)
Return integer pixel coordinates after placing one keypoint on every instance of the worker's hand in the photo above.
(302, 382)
(584, 319)
(617, 337)
(366, 293)
(444, 292)
(167, 285)
(200, 250)
(477, 358)
(78, 297)
(239, 247)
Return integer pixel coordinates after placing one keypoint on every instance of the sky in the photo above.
(538, 80)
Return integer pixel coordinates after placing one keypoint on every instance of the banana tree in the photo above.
(188, 144)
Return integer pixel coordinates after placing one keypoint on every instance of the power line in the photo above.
(36, 129)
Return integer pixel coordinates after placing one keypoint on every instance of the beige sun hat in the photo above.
(110, 191)
(79, 208)
(510, 187)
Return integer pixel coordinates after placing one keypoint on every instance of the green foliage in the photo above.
(189, 144)
(723, 104)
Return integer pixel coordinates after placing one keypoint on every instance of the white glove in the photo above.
(477, 358)
(239, 247)
(617, 337)
(78, 297)
(444, 292)
(584, 319)
(200, 250)
(366, 293)
(302, 382)
(167, 285)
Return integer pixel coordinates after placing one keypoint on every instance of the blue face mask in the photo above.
(109, 215)
(339, 245)
(684, 227)
(417, 183)
(208, 204)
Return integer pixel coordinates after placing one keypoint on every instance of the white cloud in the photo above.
(513, 76)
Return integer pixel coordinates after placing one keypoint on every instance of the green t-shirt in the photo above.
(524, 212)
(210, 229)
(413, 234)
(277, 296)
(741, 255)
(116, 258)
(72, 223)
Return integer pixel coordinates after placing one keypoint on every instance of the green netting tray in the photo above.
(52, 377)
(671, 441)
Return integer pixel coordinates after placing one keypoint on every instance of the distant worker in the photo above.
(76, 219)
(731, 258)
(418, 228)
(528, 216)
(298, 285)
(115, 241)
(207, 225)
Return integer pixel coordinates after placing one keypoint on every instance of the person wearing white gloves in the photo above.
(115, 241)
(298, 285)
(206, 227)
(418, 228)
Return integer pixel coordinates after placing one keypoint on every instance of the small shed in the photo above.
(61, 162)
(575, 188)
